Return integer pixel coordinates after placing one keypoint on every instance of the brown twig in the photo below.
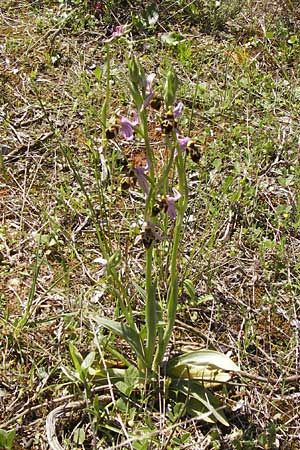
(270, 380)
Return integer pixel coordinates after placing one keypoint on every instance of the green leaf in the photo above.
(130, 335)
(113, 373)
(189, 288)
(70, 374)
(151, 321)
(7, 439)
(194, 408)
(77, 359)
(208, 366)
(294, 39)
(172, 38)
(124, 387)
(137, 74)
(269, 35)
(140, 290)
(178, 410)
(97, 73)
(132, 376)
(79, 436)
(88, 361)
(204, 359)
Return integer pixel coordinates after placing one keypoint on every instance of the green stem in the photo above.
(172, 295)
(150, 308)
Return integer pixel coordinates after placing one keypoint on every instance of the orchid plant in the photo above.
(190, 374)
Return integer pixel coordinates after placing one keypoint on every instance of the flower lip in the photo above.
(150, 234)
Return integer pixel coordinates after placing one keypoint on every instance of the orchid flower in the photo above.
(127, 127)
(118, 31)
(150, 234)
(171, 208)
(140, 176)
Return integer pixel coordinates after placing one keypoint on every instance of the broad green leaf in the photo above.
(178, 410)
(137, 97)
(172, 38)
(79, 436)
(72, 375)
(209, 378)
(170, 88)
(114, 374)
(7, 439)
(88, 361)
(293, 39)
(164, 340)
(140, 290)
(132, 376)
(130, 335)
(204, 360)
(124, 387)
(195, 408)
(97, 73)
(136, 73)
